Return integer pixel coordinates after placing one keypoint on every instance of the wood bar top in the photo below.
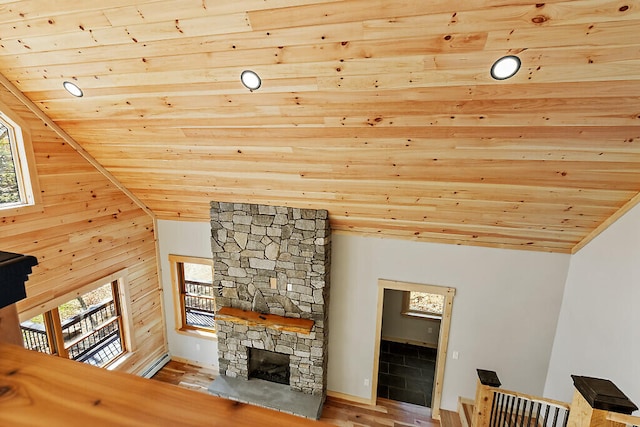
(42, 390)
(272, 321)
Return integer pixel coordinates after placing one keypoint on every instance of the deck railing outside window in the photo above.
(35, 337)
(199, 302)
(92, 336)
(92, 331)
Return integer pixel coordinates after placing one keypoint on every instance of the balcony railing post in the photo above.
(593, 399)
(484, 398)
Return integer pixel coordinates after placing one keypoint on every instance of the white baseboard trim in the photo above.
(155, 366)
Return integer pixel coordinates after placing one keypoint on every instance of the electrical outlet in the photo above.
(430, 330)
(366, 382)
(455, 355)
(289, 287)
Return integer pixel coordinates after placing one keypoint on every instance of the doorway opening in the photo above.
(411, 342)
(408, 349)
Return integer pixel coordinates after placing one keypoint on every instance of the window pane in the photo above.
(426, 302)
(199, 295)
(90, 327)
(198, 273)
(34, 335)
(9, 192)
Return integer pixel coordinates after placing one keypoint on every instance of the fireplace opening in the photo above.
(268, 365)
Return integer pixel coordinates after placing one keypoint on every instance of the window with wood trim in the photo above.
(194, 293)
(18, 181)
(89, 327)
(422, 304)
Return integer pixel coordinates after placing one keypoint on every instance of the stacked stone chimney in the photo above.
(273, 260)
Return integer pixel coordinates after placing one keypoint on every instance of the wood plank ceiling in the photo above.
(381, 111)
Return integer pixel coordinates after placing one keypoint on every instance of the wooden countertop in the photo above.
(41, 390)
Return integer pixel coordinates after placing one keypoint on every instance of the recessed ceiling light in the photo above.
(73, 89)
(250, 79)
(505, 67)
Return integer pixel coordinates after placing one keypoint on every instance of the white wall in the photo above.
(504, 314)
(599, 327)
(189, 239)
(406, 328)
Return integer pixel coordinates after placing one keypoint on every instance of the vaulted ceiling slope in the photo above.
(381, 111)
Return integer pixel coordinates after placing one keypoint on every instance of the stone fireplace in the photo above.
(272, 264)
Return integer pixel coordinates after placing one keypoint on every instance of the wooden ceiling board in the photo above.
(381, 111)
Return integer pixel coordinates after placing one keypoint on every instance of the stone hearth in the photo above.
(272, 262)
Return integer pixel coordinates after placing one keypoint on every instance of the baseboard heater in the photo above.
(155, 366)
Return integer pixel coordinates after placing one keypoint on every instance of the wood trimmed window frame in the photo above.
(180, 294)
(25, 165)
(420, 314)
(124, 318)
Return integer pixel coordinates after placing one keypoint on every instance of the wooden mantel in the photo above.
(272, 321)
(41, 390)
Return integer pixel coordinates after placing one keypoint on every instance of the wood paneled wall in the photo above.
(87, 230)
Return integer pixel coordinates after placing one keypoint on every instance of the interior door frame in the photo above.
(443, 336)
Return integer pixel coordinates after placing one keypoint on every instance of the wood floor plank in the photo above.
(338, 412)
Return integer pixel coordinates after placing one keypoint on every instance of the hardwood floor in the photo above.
(185, 375)
(342, 413)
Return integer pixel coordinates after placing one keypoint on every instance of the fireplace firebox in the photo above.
(268, 365)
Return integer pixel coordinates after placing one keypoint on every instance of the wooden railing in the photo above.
(516, 409)
(497, 407)
(626, 420)
(596, 403)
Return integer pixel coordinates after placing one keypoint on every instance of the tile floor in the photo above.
(406, 372)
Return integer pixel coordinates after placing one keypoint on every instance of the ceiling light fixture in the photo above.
(505, 67)
(250, 80)
(73, 89)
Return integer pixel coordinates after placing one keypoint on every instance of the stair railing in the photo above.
(626, 420)
(596, 403)
(497, 407)
(520, 410)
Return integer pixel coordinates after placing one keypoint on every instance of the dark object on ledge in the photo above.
(489, 378)
(603, 394)
(14, 271)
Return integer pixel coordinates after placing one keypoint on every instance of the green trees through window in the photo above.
(19, 189)
(9, 190)
(88, 328)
